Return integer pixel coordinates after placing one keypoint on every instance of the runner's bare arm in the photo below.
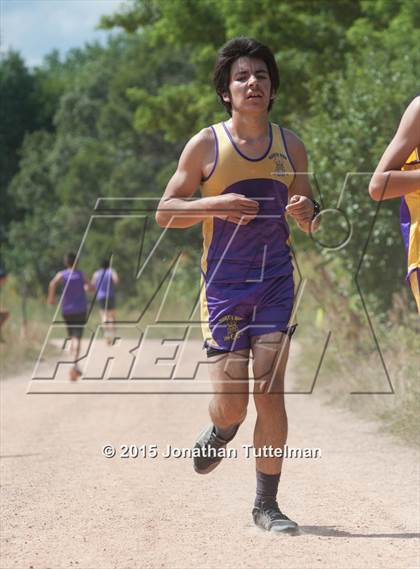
(177, 210)
(115, 277)
(300, 206)
(87, 285)
(389, 181)
(52, 288)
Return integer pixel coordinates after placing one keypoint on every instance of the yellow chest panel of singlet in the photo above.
(232, 166)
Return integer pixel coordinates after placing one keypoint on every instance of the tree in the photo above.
(353, 117)
(18, 115)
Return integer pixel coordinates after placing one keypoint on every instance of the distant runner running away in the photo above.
(104, 281)
(73, 306)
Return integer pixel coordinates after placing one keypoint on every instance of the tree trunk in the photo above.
(24, 308)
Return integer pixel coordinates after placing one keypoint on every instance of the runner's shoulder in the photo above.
(204, 139)
(416, 102)
(200, 146)
(412, 112)
(295, 146)
(293, 142)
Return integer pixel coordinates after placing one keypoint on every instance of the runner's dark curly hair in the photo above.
(233, 50)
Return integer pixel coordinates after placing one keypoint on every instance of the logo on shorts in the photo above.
(280, 163)
(231, 322)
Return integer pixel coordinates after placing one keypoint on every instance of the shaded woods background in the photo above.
(110, 122)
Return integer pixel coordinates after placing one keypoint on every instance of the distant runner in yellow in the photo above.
(398, 175)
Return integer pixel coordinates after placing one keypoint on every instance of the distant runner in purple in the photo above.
(104, 282)
(73, 305)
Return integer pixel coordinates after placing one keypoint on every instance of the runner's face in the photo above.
(249, 85)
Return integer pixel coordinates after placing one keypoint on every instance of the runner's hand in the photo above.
(301, 209)
(235, 208)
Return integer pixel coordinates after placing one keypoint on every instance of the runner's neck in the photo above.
(249, 130)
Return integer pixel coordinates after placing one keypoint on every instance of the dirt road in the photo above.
(65, 505)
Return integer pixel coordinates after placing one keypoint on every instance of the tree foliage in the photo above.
(109, 122)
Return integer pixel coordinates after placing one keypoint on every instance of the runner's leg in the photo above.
(270, 353)
(110, 322)
(229, 376)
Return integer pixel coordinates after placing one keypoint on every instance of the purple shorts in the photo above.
(236, 312)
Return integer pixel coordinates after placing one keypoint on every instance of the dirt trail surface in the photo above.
(65, 505)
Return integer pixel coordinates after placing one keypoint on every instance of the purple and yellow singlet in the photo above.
(247, 269)
(410, 229)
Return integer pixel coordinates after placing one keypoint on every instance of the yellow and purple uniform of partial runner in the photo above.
(410, 229)
(247, 270)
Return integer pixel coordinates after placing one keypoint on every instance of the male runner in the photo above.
(73, 305)
(398, 175)
(246, 168)
(104, 281)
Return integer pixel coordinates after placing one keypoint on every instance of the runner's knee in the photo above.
(269, 402)
(229, 409)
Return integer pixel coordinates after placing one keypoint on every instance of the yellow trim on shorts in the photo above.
(204, 316)
(207, 227)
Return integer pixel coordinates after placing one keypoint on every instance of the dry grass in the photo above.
(378, 383)
(22, 346)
